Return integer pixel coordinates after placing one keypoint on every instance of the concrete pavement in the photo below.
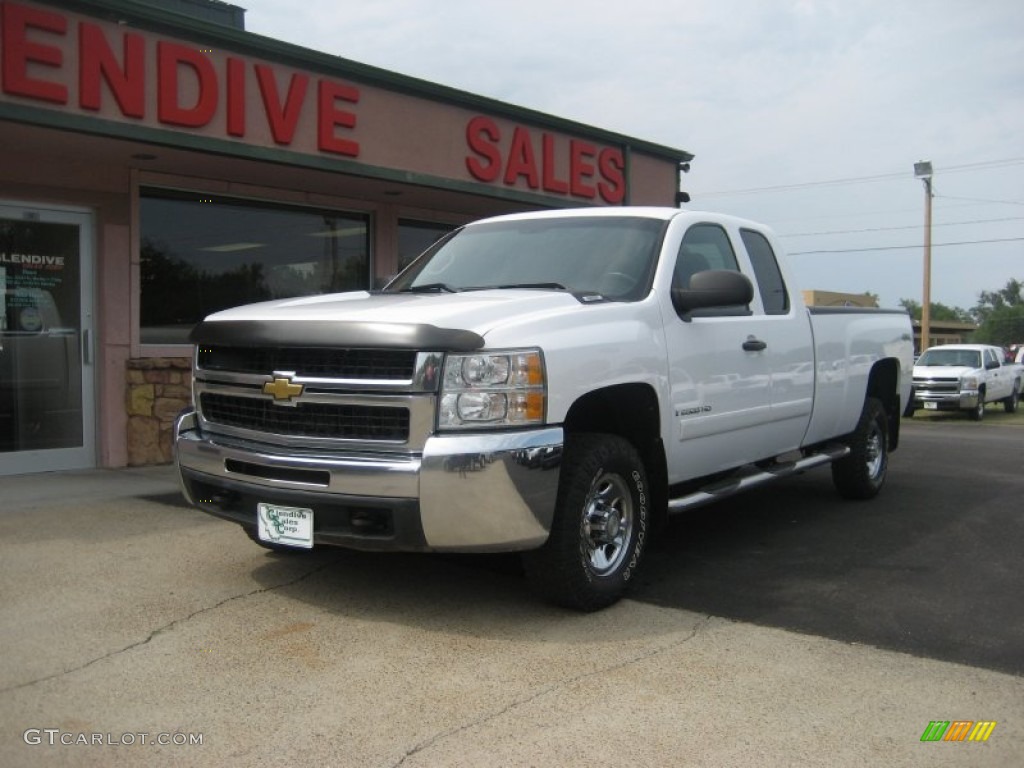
(123, 613)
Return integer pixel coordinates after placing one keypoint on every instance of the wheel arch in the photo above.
(884, 385)
(631, 411)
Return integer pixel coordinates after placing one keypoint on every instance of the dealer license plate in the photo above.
(289, 526)
(931, 406)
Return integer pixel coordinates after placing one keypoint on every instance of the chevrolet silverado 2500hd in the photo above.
(554, 383)
(964, 377)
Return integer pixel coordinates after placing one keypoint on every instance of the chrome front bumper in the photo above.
(464, 492)
(963, 400)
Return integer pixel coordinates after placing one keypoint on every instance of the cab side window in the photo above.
(704, 247)
(766, 269)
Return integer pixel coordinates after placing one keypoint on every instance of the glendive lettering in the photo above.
(35, 41)
(142, 78)
(592, 171)
(32, 260)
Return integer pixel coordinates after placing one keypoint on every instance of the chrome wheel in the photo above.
(607, 524)
(599, 527)
(861, 474)
(1011, 403)
(979, 410)
(874, 451)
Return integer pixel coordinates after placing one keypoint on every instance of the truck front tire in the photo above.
(978, 412)
(861, 473)
(600, 525)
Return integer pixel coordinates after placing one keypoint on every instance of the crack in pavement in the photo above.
(528, 699)
(165, 628)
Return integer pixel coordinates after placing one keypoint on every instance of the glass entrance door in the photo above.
(47, 412)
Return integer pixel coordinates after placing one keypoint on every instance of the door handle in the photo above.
(87, 346)
(754, 345)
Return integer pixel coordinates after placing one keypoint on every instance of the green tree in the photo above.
(939, 312)
(1003, 327)
(1010, 295)
(1001, 314)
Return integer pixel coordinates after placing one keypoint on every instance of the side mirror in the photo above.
(713, 288)
(991, 365)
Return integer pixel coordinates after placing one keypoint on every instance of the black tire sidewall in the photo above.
(978, 413)
(1013, 401)
(561, 569)
(850, 474)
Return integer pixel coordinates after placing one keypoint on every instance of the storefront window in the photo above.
(414, 237)
(40, 335)
(203, 253)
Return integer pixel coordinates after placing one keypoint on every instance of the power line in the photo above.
(908, 226)
(984, 165)
(862, 214)
(906, 247)
(804, 185)
(981, 200)
(981, 165)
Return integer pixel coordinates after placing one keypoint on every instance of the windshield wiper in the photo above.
(551, 286)
(429, 288)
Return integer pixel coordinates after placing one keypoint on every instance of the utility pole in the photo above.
(923, 171)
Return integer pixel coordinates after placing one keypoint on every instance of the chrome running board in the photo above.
(753, 476)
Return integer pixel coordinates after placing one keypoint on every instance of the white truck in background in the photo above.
(554, 383)
(964, 377)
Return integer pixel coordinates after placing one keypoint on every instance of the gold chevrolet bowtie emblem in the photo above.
(282, 389)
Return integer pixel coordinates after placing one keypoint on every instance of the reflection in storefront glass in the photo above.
(414, 237)
(203, 253)
(40, 321)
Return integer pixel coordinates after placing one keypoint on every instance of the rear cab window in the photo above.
(774, 296)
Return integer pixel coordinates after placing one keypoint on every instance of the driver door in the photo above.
(720, 377)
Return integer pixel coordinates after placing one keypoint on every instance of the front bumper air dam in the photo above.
(465, 493)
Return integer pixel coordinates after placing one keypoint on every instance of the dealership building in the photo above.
(160, 163)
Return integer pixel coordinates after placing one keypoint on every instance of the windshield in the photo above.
(966, 358)
(612, 257)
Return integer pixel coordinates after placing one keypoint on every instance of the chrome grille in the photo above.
(313, 362)
(936, 385)
(316, 420)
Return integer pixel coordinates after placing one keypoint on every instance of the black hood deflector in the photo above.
(323, 333)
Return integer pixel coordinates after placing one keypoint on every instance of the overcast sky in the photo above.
(788, 106)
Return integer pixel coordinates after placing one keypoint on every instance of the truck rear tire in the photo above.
(1011, 402)
(861, 474)
(600, 525)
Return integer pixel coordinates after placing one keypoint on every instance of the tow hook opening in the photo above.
(370, 521)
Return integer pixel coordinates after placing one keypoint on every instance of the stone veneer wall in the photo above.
(158, 388)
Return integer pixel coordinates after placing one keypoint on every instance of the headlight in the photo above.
(969, 382)
(494, 389)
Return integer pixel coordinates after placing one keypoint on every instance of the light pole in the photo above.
(923, 171)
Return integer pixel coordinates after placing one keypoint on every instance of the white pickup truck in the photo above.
(554, 383)
(964, 377)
